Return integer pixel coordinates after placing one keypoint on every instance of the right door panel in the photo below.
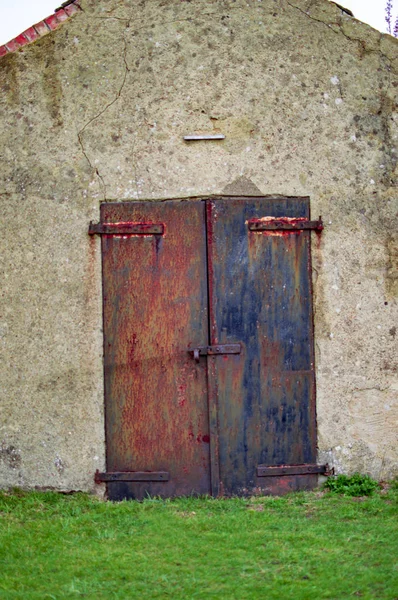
(260, 296)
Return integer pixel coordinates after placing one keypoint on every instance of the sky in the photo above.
(17, 15)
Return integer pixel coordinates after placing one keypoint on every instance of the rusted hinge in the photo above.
(280, 470)
(218, 349)
(284, 224)
(131, 476)
(126, 228)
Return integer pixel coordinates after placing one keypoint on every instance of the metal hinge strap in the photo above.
(126, 228)
(131, 476)
(280, 470)
(284, 224)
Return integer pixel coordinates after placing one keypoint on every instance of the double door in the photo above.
(208, 347)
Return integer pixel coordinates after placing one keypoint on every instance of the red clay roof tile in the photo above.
(42, 28)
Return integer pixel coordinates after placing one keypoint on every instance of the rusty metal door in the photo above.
(155, 307)
(260, 295)
(209, 369)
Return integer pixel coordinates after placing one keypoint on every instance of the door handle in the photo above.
(214, 350)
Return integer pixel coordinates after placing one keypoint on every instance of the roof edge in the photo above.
(37, 31)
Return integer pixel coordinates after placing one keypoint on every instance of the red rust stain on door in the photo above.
(155, 306)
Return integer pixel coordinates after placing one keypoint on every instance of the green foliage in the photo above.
(76, 546)
(354, 485)
(394, 484)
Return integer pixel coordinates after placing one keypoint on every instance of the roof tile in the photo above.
(61, 16)
(21, 40)
(41, 28)
(31, 34)
(52, 21)
(71, 9)
(12, 45)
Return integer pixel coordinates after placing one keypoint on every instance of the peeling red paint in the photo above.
(286, 220)
(279, 226)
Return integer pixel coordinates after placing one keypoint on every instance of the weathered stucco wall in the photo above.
(97, 110)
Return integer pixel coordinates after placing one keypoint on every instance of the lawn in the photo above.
(302, 546)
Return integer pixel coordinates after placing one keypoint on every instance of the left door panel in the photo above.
(155, 308)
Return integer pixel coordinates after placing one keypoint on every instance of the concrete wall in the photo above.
(97, 111)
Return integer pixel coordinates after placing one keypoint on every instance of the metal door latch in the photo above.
(211, 350)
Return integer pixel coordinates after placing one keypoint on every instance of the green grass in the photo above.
(302, 546)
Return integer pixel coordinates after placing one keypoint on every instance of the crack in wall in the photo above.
(389, 160)
(124, 19)
(336, 27)
(340, 29)
(118, 94)
(386, 67)
(116, 98)
(306, 14)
